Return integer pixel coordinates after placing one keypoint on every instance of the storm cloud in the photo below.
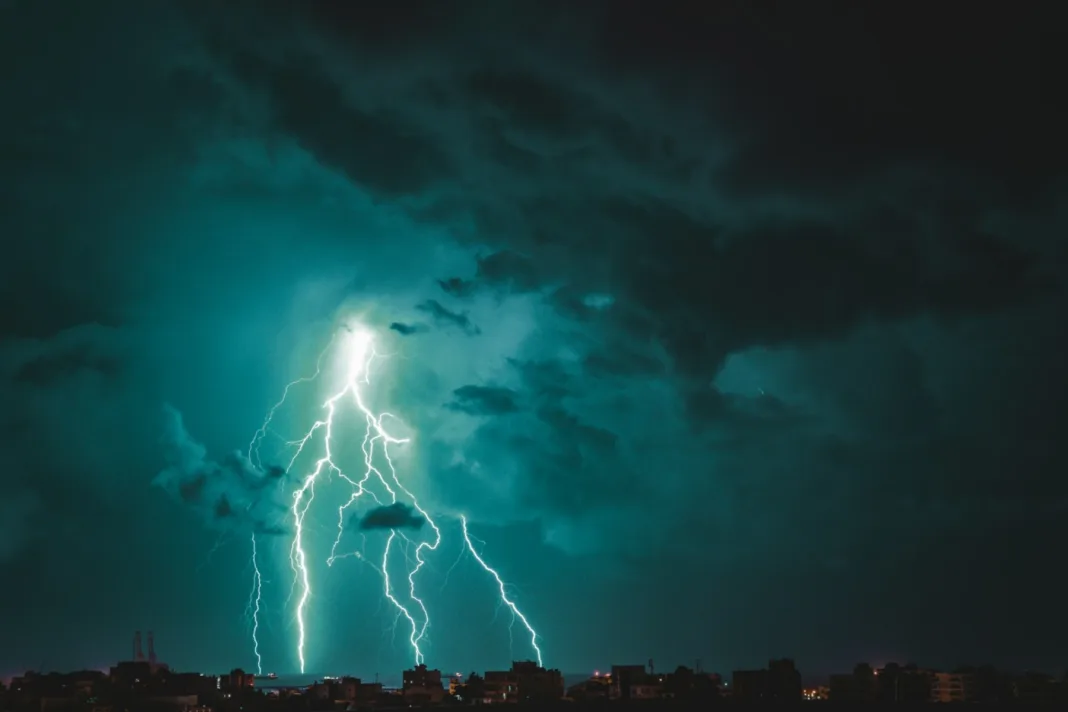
(390, 516)
(447, 317)
(484, 400)
(231, 494)
(408, 329)
(685, 308)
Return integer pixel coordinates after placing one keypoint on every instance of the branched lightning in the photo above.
(516, 613)
(254, 459)
(375, 448)
(375, 434)
(261, 433)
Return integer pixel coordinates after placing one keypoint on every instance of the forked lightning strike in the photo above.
(376, 443)
(516, 613)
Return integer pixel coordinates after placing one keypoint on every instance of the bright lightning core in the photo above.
(377, 479)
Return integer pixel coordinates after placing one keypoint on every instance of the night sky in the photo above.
(734, 332)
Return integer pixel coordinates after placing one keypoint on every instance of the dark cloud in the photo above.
(191, 489)
(275, 472)
(546, 379)
(785, 281)
(597, 440)
(52, 366)
(447, 317)
(502, 270)
(507, 268)
(624, 360)
(484, 400)
(408, 329)
(317, 113)
(87, 350)
(391, 516)
(457, 287)
(223, 508)
(231, 493)
(925, 100)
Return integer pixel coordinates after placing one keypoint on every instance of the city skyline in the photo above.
(145, 653)
(146, 680)
(705, 332)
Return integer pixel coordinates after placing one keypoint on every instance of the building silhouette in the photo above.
(422, 685)
(779, 682)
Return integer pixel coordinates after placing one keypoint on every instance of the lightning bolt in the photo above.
(253, 456)
(378, 472)
(376, 439)
(376, 435)
(302, 500)
(254, 603)
(393, 599)
(516, 613)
